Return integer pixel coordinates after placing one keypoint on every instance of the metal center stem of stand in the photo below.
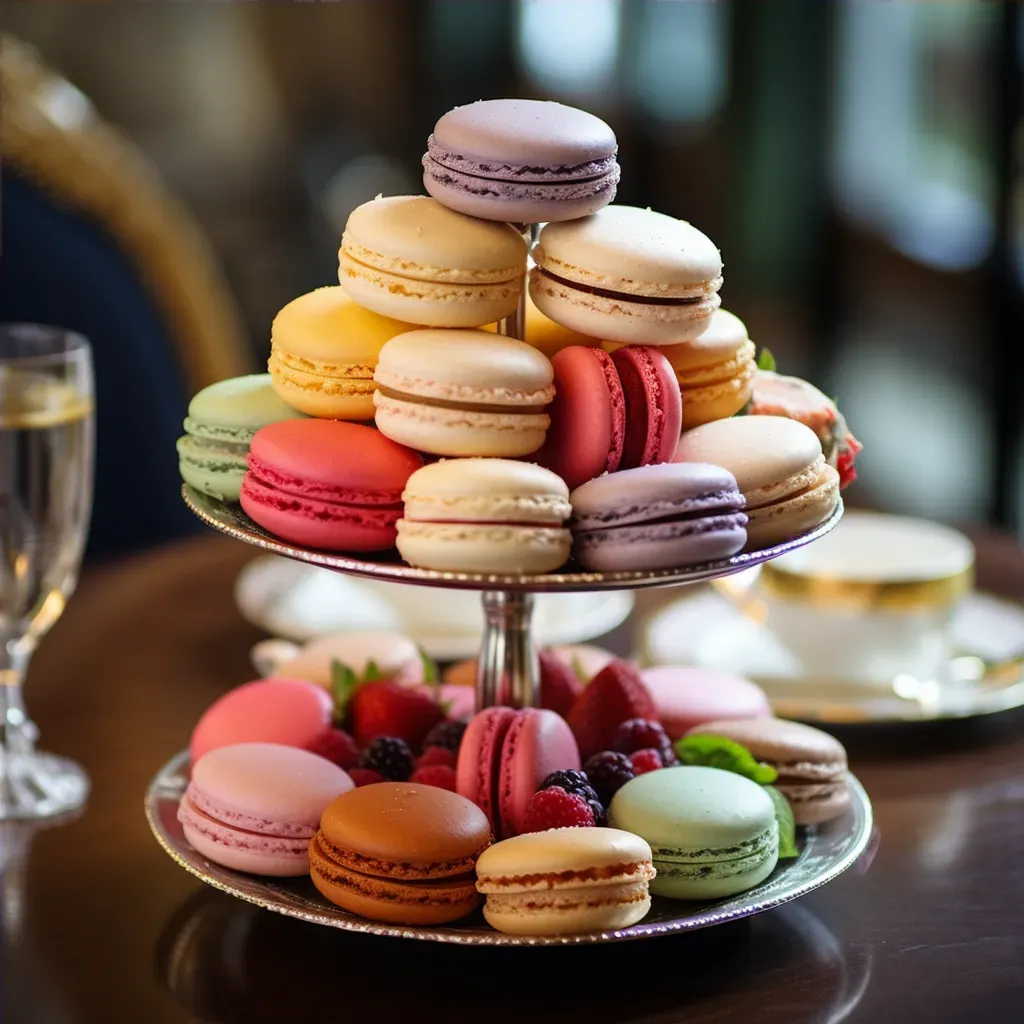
(508, 672)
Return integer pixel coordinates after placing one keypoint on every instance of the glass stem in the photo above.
(17, 733)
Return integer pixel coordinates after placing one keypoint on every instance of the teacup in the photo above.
(870, 602)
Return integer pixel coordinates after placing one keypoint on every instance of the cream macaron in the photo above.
(485, 516)
(627, 275)
(565, 881)
(452, 392)
(323, 351)
(411, 258)
(779, 467)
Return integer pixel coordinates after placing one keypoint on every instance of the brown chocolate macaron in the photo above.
(400, 853)
(811, 763)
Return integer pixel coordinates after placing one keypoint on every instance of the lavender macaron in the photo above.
(656, 517)
(521, 160)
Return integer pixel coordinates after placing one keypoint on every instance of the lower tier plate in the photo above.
(825, 852)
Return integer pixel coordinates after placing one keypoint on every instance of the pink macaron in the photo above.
(687, 697)
(504, 757)
(654, 408)
(588, 416)
(327, 484)
(254, 806)
(292, 712)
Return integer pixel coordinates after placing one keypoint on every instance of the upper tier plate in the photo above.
(230, 519)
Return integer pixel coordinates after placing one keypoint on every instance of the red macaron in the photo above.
(327, 484)
(654, 407)
(588, 417)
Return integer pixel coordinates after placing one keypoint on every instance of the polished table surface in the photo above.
(100, 925)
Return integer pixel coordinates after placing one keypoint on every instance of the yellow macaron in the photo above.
(324, 350)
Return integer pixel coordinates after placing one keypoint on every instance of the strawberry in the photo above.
(615, 695)
(337, 746)
(559, 684)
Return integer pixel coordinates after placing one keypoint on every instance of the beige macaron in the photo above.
(779, 467)
(411, 258)
(566, 880)
(463, 393)
(627, 275)
(485, 516)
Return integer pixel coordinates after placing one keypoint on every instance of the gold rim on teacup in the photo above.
(888, 595)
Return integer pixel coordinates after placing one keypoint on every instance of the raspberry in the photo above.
(608, 772)
(555, 808)
(435, 756)
(389, 756)
(639, 734)
(644, 761)
(576, 782)
(447, 735)
(337, 746)
(364, 776)
(439, 775)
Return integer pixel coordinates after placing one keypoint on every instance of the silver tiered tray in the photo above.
(507, 674)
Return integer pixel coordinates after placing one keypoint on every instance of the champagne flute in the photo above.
(46, 468)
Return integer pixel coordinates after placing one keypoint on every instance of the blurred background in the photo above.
(859, 165)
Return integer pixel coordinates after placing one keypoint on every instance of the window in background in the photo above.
(912, 154)
(569, 50)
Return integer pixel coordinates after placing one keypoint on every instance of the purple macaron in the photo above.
(521, 160)
(657, 517)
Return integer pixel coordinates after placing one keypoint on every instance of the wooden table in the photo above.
(101, 926)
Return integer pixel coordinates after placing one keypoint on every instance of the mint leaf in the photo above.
(446, 706)
(431, 675)
(787, 827)
(581, 672)
(719, 752)
(372, 672)
(344, 683)
(766, 361)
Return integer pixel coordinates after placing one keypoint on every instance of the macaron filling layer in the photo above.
(720, 863)
(504, 171)
(661, 511)
(523, 407)
(311, 372)
(204, 430)
(570, 899)
(647, 300)
(610, 874)
(500, 188)
(411, 871)
(275, 480)
(225, 834)
(396, 266)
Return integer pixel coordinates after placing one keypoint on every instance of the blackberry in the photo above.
(447, 735)
(600, 814)
(391, 757)
(608, 772)
(578, 784)
(640, 734)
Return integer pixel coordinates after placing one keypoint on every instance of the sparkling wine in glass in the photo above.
(46, 468)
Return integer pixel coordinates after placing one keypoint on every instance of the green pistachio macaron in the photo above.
(222, 419)
(713, 833)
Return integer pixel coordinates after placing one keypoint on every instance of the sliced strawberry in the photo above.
(615, 695)
(559, 684)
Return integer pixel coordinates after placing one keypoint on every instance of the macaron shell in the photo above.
(483, 548)
(772, 524)
(573, 913)
(617, 319)
(215, 468)
(688, 697)
(394, 655)
(538, 743)
(232, 410)
(287, 711)
(711, 882)
(479, 762)
(816, 804)
(717, 401)
(326, 390)
(654, 412)
(549, 337)
(588, 416)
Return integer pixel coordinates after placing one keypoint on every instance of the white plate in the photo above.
(985, 674)
(290, 599)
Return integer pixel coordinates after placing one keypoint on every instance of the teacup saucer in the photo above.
(984, 675)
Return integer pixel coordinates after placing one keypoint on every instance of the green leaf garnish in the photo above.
(719, 752)
(766, 361)
(372, 672)
(431, 675)
(446, 706)
(344, 683)
(579, 670)
(787, 826)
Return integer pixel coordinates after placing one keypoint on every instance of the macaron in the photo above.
(401, 853)
(463, 393)
(222, 419)
(485, 516)
(323, 351)
(686, 696)
(588, 416)
(292, 712)
(411, 258)
(715, 370)
(811, 763)
(627, 275)
(543, 333)
(392, 656)
(327, 484)
(504, 757)
(713, 833)
(566, 880)
(779, 467)
(654, 409)
(521, 160)
(657, 517)
(255, 806)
